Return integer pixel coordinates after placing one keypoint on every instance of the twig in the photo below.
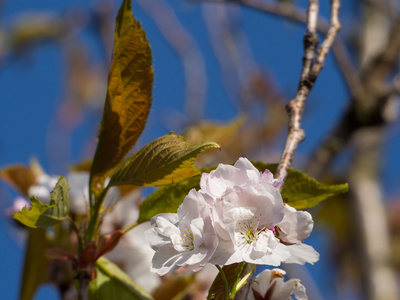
(309, 75)
(81, 243)
(83, 279)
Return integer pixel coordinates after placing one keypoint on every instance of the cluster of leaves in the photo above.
(167, 161)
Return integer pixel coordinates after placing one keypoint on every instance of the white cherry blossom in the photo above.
(269, 284)
(239, 176)
(251, 220)
(294, 228)
(186, 239)
(237, 215)
(246, 222)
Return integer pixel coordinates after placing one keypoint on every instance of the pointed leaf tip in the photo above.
(165, 160)
(129, 93)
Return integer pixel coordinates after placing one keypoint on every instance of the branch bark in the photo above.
(309, 74)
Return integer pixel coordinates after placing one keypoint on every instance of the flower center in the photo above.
(248, 230)
(187, 240)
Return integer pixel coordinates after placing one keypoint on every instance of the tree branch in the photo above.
(309, 74)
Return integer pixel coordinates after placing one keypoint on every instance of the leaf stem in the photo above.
(95, 215)
(81, 242)
(126, 229)
(243, 281)
(222, 273)
(236, 278)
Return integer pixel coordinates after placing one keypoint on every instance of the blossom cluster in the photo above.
(237, 215)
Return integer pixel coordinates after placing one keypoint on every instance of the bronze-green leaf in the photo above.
(167, 199)
(43, 215)
(165, 160)
(128, 98)
(112, 283)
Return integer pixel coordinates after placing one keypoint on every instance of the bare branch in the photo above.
(309, 75)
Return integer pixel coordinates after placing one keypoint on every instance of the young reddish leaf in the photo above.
(165, 160)
(108, 243)
(20, 177)
(128, 98)
(43, 215)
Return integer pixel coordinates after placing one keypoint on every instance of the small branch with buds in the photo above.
(313, 62)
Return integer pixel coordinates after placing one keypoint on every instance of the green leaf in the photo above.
(165, 160)
(128, 98)
(301, 191)
(111, 283)
(43, 215)
(35, 263)
(167, 198)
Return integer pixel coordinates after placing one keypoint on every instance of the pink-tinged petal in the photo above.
(299, 290)
(270, 283)
(163, 227)
(225, 254)
(197, 229)
(244, 165)
(156, 240)
(164, 221)
(266, 201)
(164, 260)
(301, 254)
(295, 226)
(188, 237)
(275, 258)
(193, 204)
(219, 181)
(266, 242)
